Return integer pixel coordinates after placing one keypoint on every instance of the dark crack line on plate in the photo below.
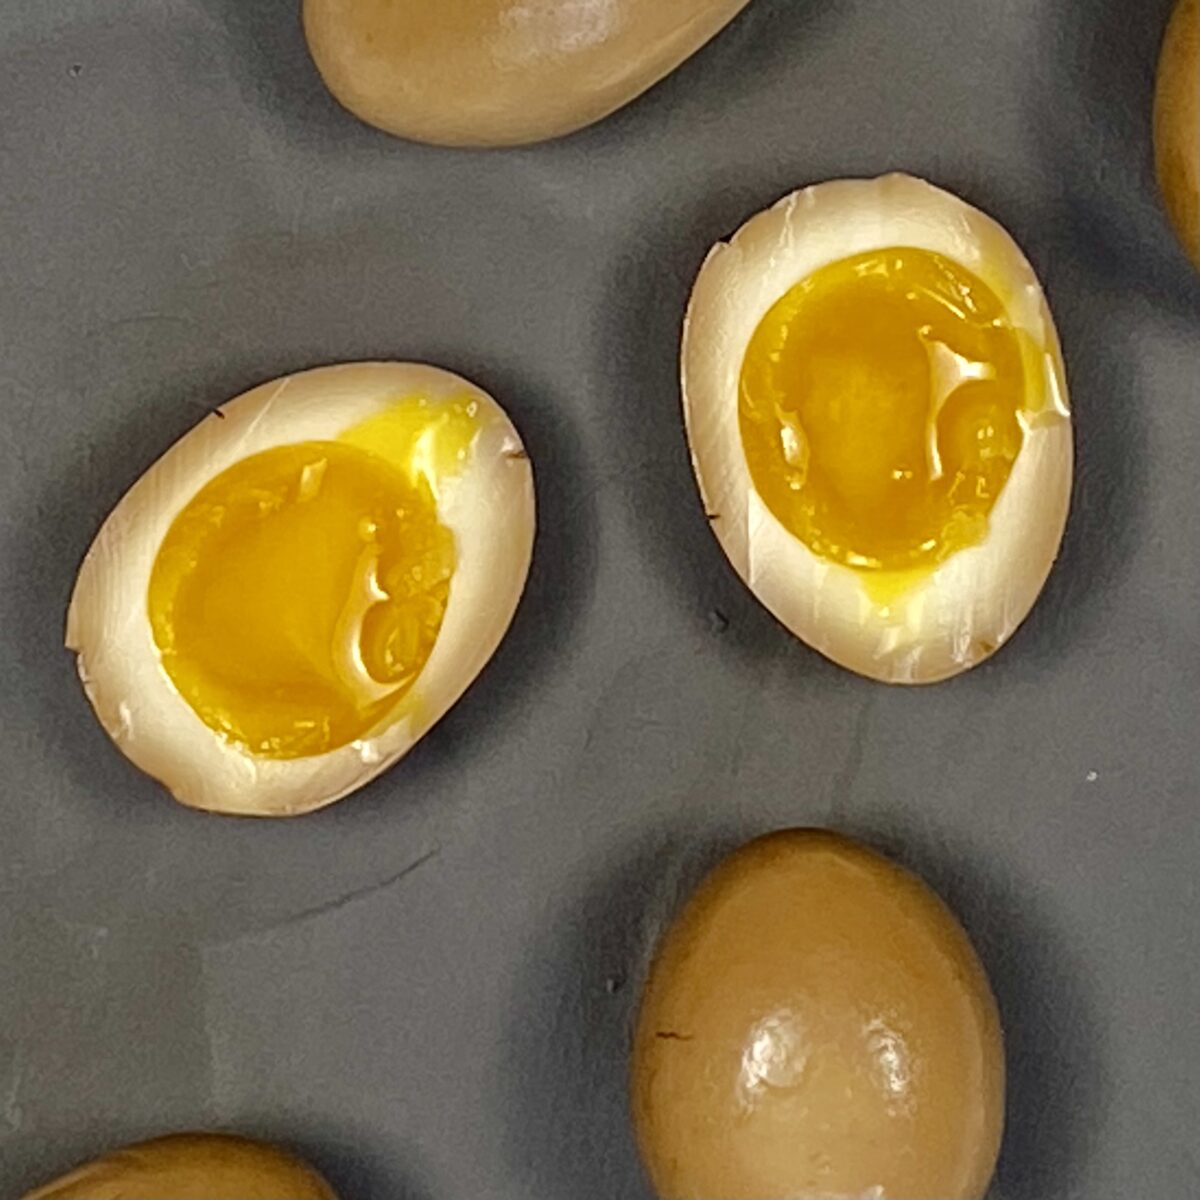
(332, 906)
(338, 903)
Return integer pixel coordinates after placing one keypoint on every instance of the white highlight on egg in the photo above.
(971, 603)
(488, 506)
(775, 1057)
(893, 1061)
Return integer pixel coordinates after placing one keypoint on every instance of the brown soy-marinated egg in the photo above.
(1177, 124)
(817, 1026)
(877, 411)
(501, 72)
(304, 584)
(191, 1167)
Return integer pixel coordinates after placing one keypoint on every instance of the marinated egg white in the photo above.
(876, 406)
(289, 599)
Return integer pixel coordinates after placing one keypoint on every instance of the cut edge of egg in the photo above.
(922, 635)
(490, 510)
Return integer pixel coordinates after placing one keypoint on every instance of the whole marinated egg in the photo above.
(817, 1026)
(191, 1167)
(304, 584)
(876, 406)
(1177, 124)
(501, 72)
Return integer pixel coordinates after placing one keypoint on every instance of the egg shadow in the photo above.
(1059, 1087)
(756, 49)
(565, 1075)
(272, 63)
(1104, 249)
(1109, 494)
(355, 1169)
(1092, 112)
(28, 1162)
(643, 319)
(45, 552)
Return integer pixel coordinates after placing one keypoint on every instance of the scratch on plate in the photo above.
(109, 327)
(11, 1116)
(336, 904)
(92, 939)
(300, 212)
(843, 784)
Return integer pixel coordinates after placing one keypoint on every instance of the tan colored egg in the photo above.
(501, 72)
(304, 584)
(1177, 124)
(876, 406)
(191, 1167)
(817, 1026)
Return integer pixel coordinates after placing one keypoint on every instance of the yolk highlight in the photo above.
(880, 408)
(298, 595)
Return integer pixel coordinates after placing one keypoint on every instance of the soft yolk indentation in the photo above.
(299, 594)
(881, 410)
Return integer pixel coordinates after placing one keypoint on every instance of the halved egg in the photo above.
(876, 406)
(1177, 124)
(304, 584)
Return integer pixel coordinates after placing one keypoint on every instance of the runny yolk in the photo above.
(880, 409)
(298, 595)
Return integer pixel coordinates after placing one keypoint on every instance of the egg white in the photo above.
(969, 605)
(488, 507)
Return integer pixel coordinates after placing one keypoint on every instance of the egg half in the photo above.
(191, 1167)
(817, 1026)
(877, 412)
(501, 72)
(1177, 124)
(304, 584)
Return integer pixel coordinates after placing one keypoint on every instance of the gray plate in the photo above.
(184, 212)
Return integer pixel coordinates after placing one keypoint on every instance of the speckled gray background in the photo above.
(184, 212)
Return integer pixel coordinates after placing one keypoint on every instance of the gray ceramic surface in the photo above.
(428, 988)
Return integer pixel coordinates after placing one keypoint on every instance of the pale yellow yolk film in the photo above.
(879, 409)
(299, 594)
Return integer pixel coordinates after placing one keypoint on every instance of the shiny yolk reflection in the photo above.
(879, 409)
(299, 594)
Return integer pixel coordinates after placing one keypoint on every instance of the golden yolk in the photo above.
(299, 594)
(880, 409)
